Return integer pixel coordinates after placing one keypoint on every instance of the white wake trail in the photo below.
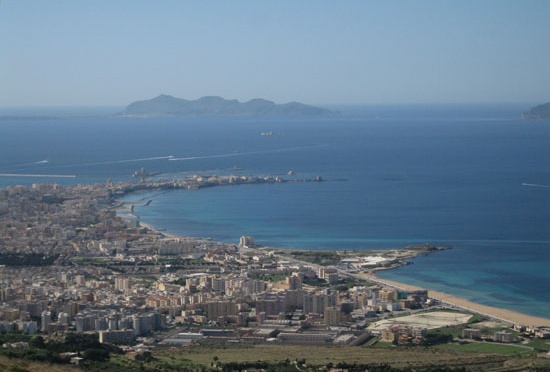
(232, 154)
(37, 175)
(169, 157)
(535, 185)
(23, 165)
(131, 160)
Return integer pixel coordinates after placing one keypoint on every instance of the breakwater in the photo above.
(197, 182)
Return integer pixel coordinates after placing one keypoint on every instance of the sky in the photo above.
(105, 52)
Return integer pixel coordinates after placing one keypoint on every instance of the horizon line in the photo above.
(419, 103)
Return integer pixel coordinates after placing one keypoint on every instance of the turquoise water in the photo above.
(470, 177)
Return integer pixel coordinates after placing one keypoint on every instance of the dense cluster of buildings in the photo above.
(122, 281)
(239, 294)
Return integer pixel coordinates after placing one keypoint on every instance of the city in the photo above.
(76, 260)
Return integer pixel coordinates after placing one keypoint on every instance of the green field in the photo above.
(488, 347)
(540, 344)
(472, 357)
(19, 365)
(398, 357)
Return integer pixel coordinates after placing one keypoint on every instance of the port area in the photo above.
(198, 182)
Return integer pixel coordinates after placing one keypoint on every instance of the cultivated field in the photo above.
(322, 355)
(18, 365)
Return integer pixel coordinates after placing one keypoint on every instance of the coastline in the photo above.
(501, 314)
(505, 315)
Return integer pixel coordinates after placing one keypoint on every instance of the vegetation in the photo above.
(165, 105)
(14, 337)
(269, 277)
(346, 283)
(301, 365)
(452, 331)
(40, 350)
(27, 259)
(538, 112)
(283, 357)
(383, 344)
(436, 338)
(315, 282)
(539, 345)
(96, 354)
(212, 355)
(488, 347)
(476, 319)
(17, 365)
(326, 258)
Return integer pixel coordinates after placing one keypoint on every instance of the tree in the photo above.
(37, 343)
(98, 355)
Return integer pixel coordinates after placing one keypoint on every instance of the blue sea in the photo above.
(475, 178)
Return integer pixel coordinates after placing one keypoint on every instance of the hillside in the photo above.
(165, 105)
(538, 112)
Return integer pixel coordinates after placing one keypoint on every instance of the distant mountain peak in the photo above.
(260, 100)
(166, 105)
(161, 97)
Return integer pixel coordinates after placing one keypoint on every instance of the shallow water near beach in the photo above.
(474, 178)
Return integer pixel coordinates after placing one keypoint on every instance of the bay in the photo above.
(473, 178)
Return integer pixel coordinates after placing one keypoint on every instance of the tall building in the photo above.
(218, 284)
(254, 286)
(332, 278)
(63, 277)
(85, 322)
(388, 295)
(101, 324)
(246, 241)
(218, 309)
(115, 337)
(46, 319)
(63, 318)
(293, 299)
(80, 279)
(316, 302)
(294, 282)
(505, 337)
(123, 284)
(142, 325)
(332, 316)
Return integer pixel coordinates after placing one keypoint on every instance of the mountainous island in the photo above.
(538, 112)
(165, 105)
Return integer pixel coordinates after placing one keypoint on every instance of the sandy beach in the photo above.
(509, 316)
(494, 312)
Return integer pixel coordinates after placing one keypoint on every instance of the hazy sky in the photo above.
(112, 52)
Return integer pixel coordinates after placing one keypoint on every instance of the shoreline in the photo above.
(500, 314)
(497, 313)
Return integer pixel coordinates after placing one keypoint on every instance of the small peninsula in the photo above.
(538, 112)
(165, 105)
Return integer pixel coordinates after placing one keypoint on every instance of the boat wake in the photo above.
(169, 157)
(284, 149)
(16, 166)
(131, 160)
(30, 165)
(534, 185)
(37, 175)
